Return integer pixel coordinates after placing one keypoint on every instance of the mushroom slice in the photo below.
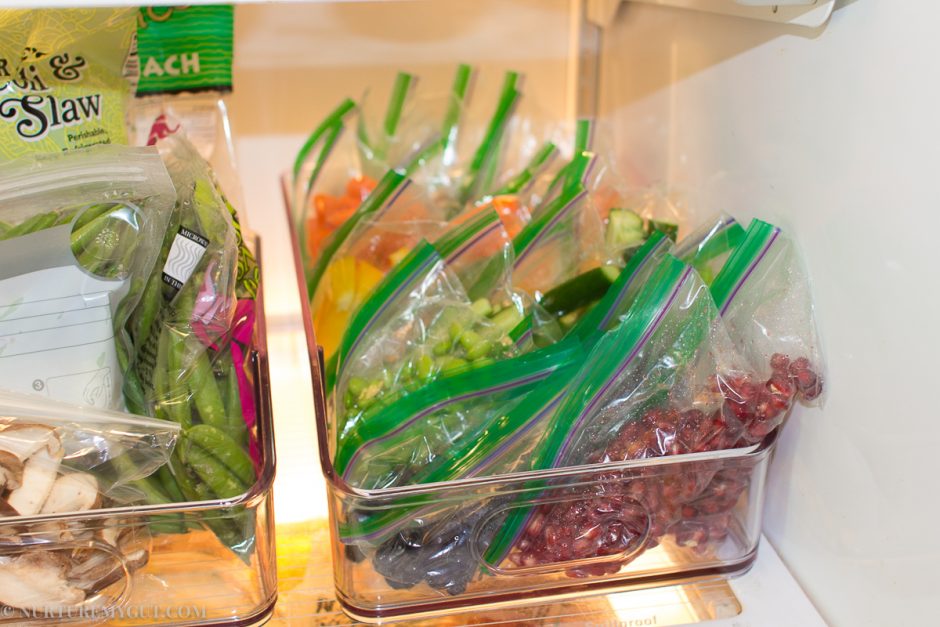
(75, 492)
(11, 471)
(39, 475)
(36, 581)
(23, 440)
(95, 572)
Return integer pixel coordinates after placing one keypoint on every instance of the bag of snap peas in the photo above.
(708, 247)
(765, 300)
(79, 235)
(192, 330)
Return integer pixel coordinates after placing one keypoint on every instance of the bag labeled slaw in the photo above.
(62, 78)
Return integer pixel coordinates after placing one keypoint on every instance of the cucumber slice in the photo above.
(667, 228)
(580, 291)
(624, 229)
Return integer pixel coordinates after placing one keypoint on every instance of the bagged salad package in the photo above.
(79, 236)
(63, 78)
(185, 72)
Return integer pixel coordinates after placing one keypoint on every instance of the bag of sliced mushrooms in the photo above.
(69, 537)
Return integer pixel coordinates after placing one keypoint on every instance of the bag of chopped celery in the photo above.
(413, 436)
(417, 324)
(764, 297)
(79, 235)
(62, 78)
(708, 247)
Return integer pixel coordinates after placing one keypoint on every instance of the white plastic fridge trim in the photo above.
(807, 13)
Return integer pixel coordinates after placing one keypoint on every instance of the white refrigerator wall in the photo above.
(835, 133)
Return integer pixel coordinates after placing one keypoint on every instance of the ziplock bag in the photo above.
(42, 439)
(79, 234)
(765, 300)
(376, 242)
(708, 247)
(342, 160)
(57, 461)
(62, 78)
(472, 424)
(416, 436)
(660, 369)
(417, 325)
(561, 241)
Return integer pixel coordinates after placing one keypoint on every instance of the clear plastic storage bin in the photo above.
(690, 517)
(154, 564)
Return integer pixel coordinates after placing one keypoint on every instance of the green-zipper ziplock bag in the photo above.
(425, 324)
(383, 192)
(476, 416)
(708, 247)
(623, 292)
(765, 299)
(610, 357)
(448, 250)
(485, 160)
(312, 156)
(618, 298)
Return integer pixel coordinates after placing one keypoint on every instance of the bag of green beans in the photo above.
(79, 234)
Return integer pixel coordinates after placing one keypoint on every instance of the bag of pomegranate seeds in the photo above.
(764, 297)
(650, 387)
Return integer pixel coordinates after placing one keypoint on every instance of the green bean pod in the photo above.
(36, 223)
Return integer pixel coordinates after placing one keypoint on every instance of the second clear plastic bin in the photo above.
(688, 517)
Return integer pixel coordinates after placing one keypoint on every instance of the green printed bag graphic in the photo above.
(185, 49)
